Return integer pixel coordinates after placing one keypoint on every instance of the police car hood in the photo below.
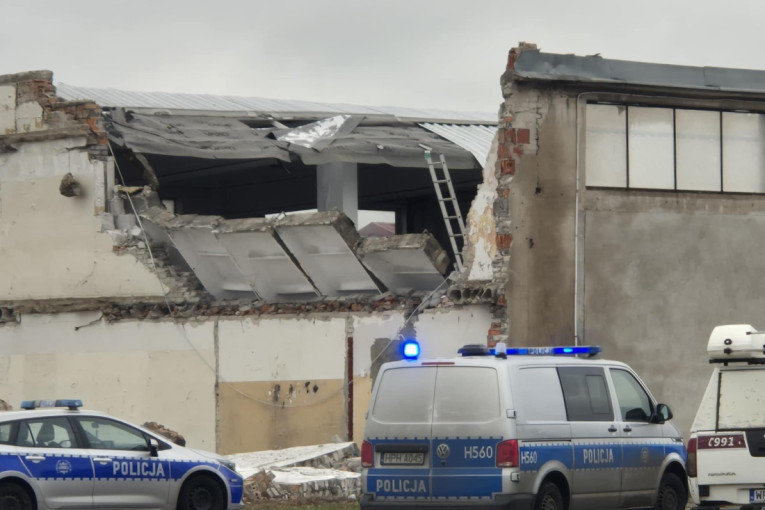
(209, 455)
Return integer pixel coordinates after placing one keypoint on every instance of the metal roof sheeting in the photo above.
(113, 98)
(535, 65)
(474, 138)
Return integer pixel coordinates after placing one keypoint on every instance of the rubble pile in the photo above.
(321, 472)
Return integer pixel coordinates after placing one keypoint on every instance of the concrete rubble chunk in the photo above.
(328, 472)
(409, 261)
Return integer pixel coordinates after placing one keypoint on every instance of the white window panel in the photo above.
(743, 161)
(698, 150)
(606, 146)
(651, 148)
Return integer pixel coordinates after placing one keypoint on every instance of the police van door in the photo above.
(468, 424)
(125, 472)
(597, 465)
(642, 442)
(62, 472)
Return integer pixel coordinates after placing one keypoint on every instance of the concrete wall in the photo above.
(54, 243)
(139, 371)
(653, 272)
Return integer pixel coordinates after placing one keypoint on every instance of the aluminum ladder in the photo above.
(452, 215)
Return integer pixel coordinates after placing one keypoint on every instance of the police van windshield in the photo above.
(741, 399)
(446, 394)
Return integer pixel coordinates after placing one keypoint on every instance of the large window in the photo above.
(674, 149)
(586, 394)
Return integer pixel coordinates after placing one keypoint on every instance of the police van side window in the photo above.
(46, 433)
(634, 402)
(105, 434)
(405, 395)
(585, 393)
(6, 430)
(538, 395)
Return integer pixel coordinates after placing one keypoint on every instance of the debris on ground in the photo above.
(320, 472)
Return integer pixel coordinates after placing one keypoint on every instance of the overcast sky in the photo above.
(445, 54)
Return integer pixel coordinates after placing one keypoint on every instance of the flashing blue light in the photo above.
(588, 350)
(410, 349)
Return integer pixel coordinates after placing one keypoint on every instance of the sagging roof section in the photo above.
(532, 64)
(298, 257)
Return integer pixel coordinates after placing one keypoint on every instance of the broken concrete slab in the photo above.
(324, 244)
(409, 261)
(263, 261)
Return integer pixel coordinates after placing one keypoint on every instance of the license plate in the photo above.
(756, 495)
(403, 459)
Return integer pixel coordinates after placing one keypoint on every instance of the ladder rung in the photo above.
(441, 181)
(452, 217)
(447, 199)
(456, 235)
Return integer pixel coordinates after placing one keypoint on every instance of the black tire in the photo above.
(14, 497)
(672, 494)
(548, 498)
(201, 492)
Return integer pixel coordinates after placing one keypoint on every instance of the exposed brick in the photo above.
(507, 166)
(502, 299)
(523, 136)
(504, 241)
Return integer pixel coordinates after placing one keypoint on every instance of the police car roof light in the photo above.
(72, 404)
(410, 349)
(566, 350)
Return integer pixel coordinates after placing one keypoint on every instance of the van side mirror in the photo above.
(661, 414)
(153, 447)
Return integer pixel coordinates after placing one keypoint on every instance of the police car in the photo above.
(726, 449)
(53, 455)
(518, 428)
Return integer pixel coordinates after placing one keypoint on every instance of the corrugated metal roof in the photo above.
(114, 98)
(594, 70)
(473, 137)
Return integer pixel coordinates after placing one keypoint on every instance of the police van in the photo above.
(726, 449)
(53, 455)
(545, 428)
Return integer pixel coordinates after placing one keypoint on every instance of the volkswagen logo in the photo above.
(443, 450)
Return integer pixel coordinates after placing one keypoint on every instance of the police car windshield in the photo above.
(740, 399)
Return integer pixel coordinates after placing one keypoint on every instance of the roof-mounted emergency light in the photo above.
(410, 349)
(72, 404)
(736, 343)
(578, 350)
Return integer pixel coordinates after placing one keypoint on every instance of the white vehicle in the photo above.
(524, 428)
(726, 449)
(53, 455)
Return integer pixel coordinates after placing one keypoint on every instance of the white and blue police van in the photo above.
(726, 449)
(518, 428)
(54, 455)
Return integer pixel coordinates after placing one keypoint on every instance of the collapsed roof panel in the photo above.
(323, 244)
(410, 261)
(262, 260)
(193, 136)
(194, 238)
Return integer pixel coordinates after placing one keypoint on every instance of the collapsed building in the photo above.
(197, 260)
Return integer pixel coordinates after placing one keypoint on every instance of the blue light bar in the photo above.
(587, 350)
(410, 349)
(72, 404)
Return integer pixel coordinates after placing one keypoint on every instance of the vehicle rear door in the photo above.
(62, 471)
(126, 474)
(468, 425)
(734, 453)
(403, 403)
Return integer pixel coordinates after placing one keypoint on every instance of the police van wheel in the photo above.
(548, 497)
(201, 493)
(672, 494)
(14, 497)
